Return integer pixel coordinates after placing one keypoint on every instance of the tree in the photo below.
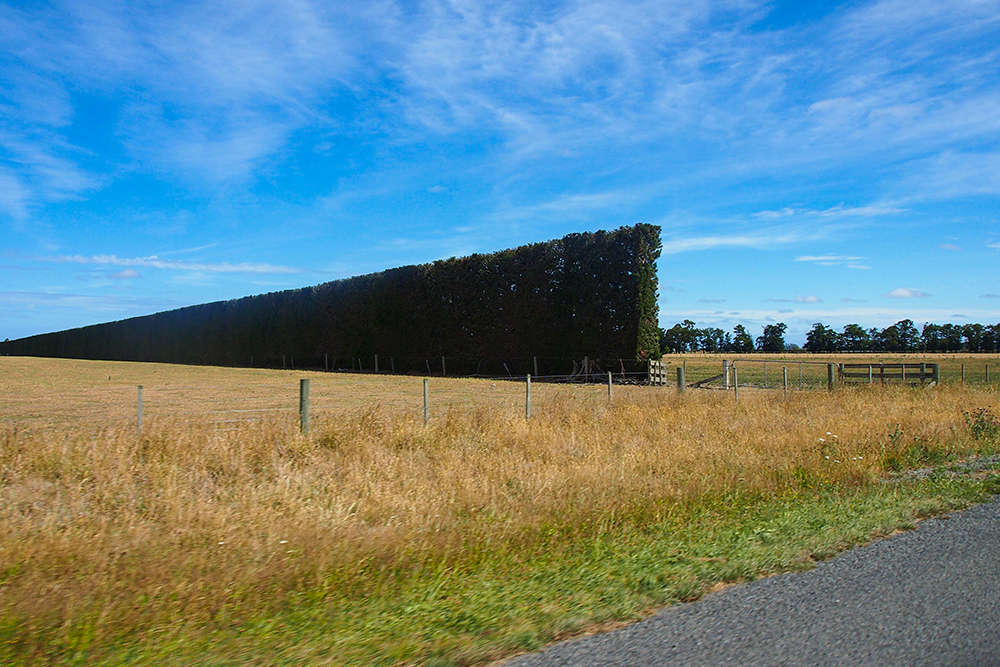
(773, 339)
(900, 337)
(742, 341)
(821, 338)
(855, 339)
(680, 337)
(974, 336)
(931, 338)
(713, 340)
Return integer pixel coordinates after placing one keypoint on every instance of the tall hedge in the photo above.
(591, 294)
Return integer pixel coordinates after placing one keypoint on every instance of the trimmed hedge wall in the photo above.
(590, 294)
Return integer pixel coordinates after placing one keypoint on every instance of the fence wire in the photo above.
(335, 394)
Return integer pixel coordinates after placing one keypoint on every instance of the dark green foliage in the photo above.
(773, 339)
(590, 294)
(902, 336)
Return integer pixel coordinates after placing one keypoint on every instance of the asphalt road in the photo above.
(927, 597)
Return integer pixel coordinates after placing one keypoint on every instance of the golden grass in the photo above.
(702, 365)
(194, 523)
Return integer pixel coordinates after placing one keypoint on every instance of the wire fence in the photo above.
(317, 397)
(331, 394)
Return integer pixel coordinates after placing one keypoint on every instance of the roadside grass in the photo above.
(498, 603)
(378, 541)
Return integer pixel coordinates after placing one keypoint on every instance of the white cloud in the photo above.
(126, 274)
(172, 264)
(808, 299)
(827, 258)
(905, 293)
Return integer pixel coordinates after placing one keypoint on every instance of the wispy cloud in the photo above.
(833, 260)
(905, 293)
(808, 299)
(827, 258)
(172, 264)
(711, 300)
(126, 274)
(832, 212)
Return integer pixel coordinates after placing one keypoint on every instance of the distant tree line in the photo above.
(591, 294)
(903, 336)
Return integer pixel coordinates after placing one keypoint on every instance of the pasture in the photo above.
(222, 534)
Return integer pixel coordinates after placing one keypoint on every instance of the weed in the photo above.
(983, 424)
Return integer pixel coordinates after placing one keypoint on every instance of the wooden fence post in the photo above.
(609, 386)
(784, 377)
(725, 374)
(936, 373)
(527, 398)
(427, 414)
(963, 373)
(831, 379)
(680, 379)
(987, 373)
(138, 414)
(304, 405)
(444, 369)
(376, 364)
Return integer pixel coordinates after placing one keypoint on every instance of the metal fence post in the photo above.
(527, 398)
(784, 378)
(138, 414)
(680, 379)
(304, 405)
(426, 400)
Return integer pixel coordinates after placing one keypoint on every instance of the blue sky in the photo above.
(821, 161)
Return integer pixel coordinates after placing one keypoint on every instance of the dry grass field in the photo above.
(221, 515)
(813, 371)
